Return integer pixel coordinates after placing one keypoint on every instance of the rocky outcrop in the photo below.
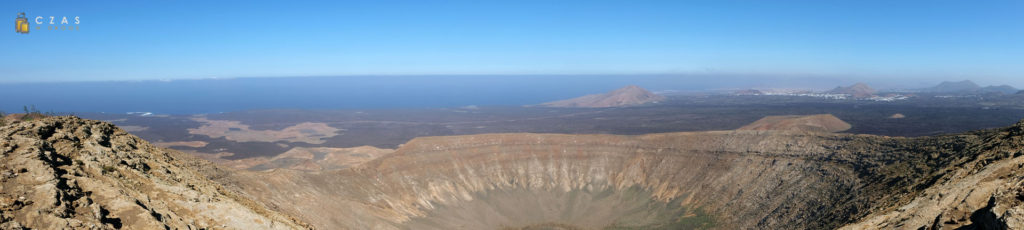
(70, 173)
(982, 187)
(625, 96)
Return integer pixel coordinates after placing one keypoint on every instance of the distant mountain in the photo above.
(1004, 89)
(953, 87)
(749, 92)
(856, 90)
(967, 86)
(625, 96)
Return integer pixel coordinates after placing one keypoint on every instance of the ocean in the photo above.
(344, 92)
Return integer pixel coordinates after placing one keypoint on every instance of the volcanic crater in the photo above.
(717, 179)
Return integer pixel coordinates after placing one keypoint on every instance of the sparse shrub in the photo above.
(108, 169)
(31, 113)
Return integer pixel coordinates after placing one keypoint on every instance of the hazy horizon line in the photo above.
(858, 78)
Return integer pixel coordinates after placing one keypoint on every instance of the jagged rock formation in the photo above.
(70, 173)
(859, 90)
(80, 173)
(807, 123)
(625, 96)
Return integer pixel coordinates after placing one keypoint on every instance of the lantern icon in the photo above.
(21, 23)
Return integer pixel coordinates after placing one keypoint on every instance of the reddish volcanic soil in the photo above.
(810, 123)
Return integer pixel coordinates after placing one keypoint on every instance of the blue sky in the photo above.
(148, 40)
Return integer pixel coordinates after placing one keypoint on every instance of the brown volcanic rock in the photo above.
(983, 189)
(859, 90)
(70, 173)
(625, 96)
(808, 123)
